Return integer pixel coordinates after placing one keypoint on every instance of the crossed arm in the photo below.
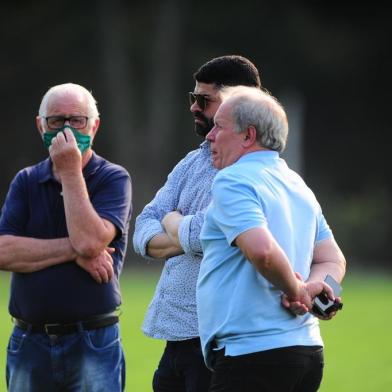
(167, 244)
(89, 234)
(26, 255)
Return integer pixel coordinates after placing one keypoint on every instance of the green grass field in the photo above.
(358, 342)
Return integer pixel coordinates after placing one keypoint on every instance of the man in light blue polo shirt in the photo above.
(263, 230)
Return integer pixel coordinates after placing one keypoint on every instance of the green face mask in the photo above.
(83, 141)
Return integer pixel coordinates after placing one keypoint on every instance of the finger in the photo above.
(53, 145)
(110, 272)
(107, 258)
(97, 277)
(328, 290)
(104, 275)
(299, 308)
(285, 302)
(298, 275)
(68, 134)
(110, 250)
(299, 312)
(59, 138)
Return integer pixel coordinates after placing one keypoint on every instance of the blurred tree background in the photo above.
(329, 63)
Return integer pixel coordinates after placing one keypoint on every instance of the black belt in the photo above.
(100, 321)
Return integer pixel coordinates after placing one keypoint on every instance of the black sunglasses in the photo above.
(202, 100)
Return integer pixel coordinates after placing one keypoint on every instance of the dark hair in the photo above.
(231, 70)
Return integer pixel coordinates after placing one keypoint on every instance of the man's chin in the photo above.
(201, 130)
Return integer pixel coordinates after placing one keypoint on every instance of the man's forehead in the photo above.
(209, 89)
(224, 112)
(67, 98)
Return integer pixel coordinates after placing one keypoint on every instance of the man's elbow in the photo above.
(89, 248)
(342, 265)
(261, 258)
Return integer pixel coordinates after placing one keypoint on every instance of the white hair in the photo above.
(254, 107)
(61, 89)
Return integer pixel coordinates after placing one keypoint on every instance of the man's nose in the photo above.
(211, 135)
(195, 108)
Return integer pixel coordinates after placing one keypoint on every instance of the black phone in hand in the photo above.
(323, 306)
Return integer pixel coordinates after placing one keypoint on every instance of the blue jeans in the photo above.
(182, 368)
(90, 361)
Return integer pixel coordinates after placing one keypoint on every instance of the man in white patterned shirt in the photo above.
(169, 227)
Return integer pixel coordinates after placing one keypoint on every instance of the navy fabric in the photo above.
(34, 208)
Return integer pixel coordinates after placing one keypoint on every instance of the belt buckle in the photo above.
(48, 326)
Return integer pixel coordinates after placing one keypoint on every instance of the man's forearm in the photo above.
(328, 259)
(171, 223)
(24, 254)
(261, 249)
(89, 233)
(161, 246)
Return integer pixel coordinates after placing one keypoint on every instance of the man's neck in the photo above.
(86, 157)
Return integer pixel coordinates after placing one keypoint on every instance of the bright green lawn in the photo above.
(358, 341)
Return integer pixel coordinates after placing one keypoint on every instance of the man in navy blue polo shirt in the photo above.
(63, 234)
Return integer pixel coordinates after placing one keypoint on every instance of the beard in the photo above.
(202, 128)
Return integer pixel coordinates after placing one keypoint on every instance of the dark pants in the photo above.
(288, 369)
(182, 368)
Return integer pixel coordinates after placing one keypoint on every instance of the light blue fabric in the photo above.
(84, 361)
(238, 308)
(171, 314)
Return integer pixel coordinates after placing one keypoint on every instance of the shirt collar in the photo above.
(204, 144)
(46, 172)
(260, 155)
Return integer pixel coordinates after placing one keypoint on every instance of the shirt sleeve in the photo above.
(15, 211)
(323, 229)
(148, 222)
(189, 233)
(113, 201)
(237, 207)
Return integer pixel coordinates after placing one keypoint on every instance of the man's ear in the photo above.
(249, 136)
(40, 128)
(97, 122)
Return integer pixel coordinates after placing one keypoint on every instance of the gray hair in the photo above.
(92, 110)
(254, 107)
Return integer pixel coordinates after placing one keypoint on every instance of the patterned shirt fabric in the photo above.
(172, 314)
(238, 308)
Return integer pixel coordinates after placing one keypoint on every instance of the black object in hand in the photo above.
(323, 306)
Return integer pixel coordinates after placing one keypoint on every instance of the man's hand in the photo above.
(65, 154)
(303, 304)
(161, 246)
(171, 222)
(100, 268)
